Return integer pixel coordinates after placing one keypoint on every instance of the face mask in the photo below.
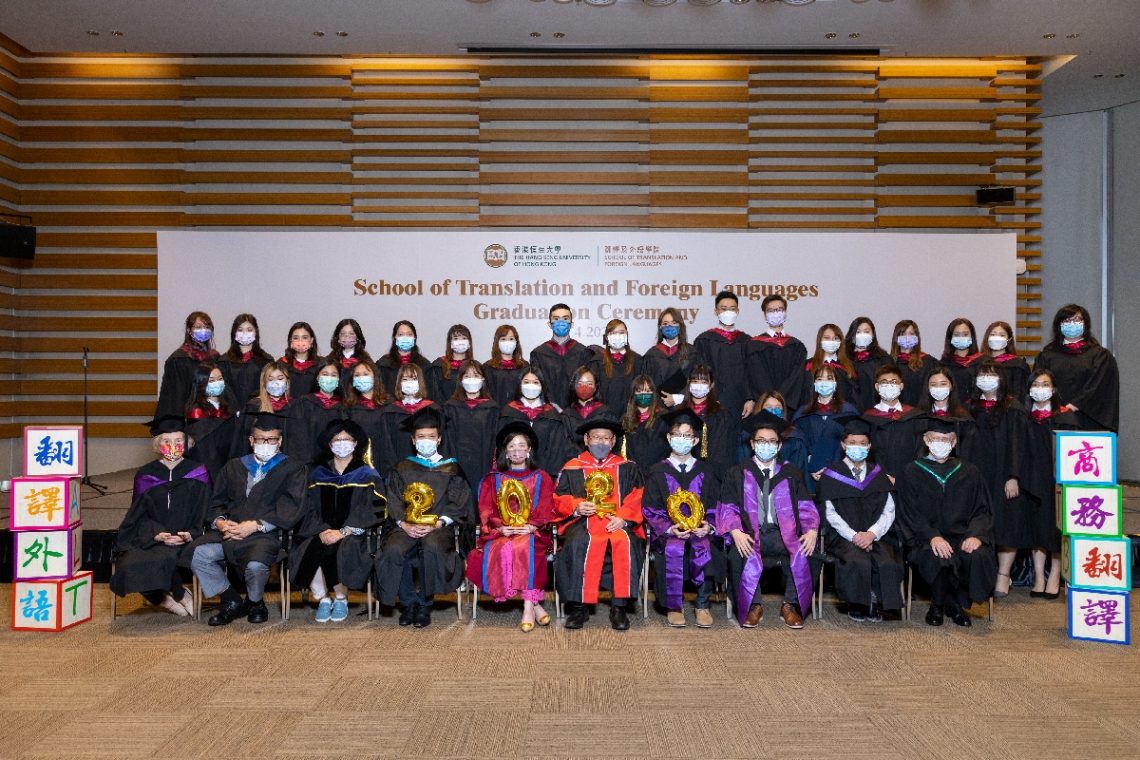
(409, 387)
(202, 335)
(907, 342)
(560, 327)
(363, 383)
(776, 318)
(940, 392)
(327, 383)
(460, 346)
(245, 338)
(987, 383)
(507, 347)
(215, 387)
(857, 453)
(171, 452)
(405, 343)
(765, 451)
(472, 384)
(276, 388)
(699, 390)
(643, 399)
(342, 449)
(531, 390)
(670, 332)
(825, 387)
(1040, 394)
(681, 446)
(347, 343)
(426, 447)
(940, 449)
(600, 451)
(727, 318)
(300, 346)
(517, 456)
(997, 343)
(829, 346)
(961, 342)
(618, 341)
(862, 340)
(889, 391)
(263, 452)
(584, 392)
(1068, 329)
(775, 411)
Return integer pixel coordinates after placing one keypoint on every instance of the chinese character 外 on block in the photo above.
(1100, 563)
(1088, 458)
(46, 554)
(1091, 510)
(52, 605)
(53, 450)
(1099, 616)
(44, 503)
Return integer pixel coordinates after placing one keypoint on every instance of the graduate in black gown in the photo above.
(427, 495)
(914, 364)
(443, 373)
(793, 445)
(311, 413)
(1085, 372)
(643, 430)
(348, 344)
(944, 514)
(561, 356)
(411, 397)
(1000, 345)
(855, 496)
(820, 421)
(344, 499)
(617, 366)
(364, 401)
(545, 419)
(301, 356)
(895, 428)
(867, 355)
(580, 405)
(178, 371)
(210, 419)
(960, 354)
(775, 360)
(241, 364)
(403, 350)
(471, 419)
(943, 400)
(830, 350)
(167, 512)
(723, 349)
(720, 426)
(505, 366)
(274, 394)
(672, 353)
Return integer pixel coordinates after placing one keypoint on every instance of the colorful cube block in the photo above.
(1085, 458)
(53, 450)
(1099, 616)
(46, 554)
(54, 605)
(1091, 510)
(44, 503)
(1103, 564)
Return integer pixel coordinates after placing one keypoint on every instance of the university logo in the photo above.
(495, 255)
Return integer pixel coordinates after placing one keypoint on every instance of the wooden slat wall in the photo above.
(104, 152)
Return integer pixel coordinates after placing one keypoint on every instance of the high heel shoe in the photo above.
(544, 620)
(1001, 594)
(1037, 594)
(526, 627)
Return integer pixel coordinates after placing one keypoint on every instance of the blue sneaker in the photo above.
(324, 611)
(340, 610)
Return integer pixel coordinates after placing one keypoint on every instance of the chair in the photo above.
(827, 559)
(460, 591)
(282, 566)
(549, 558)
(910, 587)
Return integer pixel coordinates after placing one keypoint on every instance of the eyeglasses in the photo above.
(275, 440)
(765, 440)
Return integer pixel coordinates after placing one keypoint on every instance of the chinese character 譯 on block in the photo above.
(1103, 564)
(53, 450)
(1099, 616)
(1085, 458)
(44, 503)
(39, 555)
(52, 605)
(1091, 510)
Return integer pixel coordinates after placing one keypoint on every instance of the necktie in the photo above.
(858, 473)
(683, 467)
(766, 495)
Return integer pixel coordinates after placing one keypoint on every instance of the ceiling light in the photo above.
(658, 3)
(318, 34)
(342, 34)
(797, 2)
(831, 35)
(738, 2)
(560, 1)
(1048, 36)
(116, 33)
(854, 35)
(1098, 76)
(536, 34)
(559, 35)
(1072, 36)
(478, 1)
(1118, 76)
(92, 32)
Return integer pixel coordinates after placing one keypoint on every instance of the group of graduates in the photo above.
(730, 455)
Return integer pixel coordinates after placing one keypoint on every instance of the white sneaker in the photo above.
(187, 601)
(170, 605)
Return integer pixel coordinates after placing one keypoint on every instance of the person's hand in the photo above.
(817, 474)
(676, 530)
(586, 508)
(864, 540)
(703, 530)
(666, 398)
(240, 531)
(416, 531)
(941, 547)
(746, 410)
(971, 545)
(615, 523)
(743, 543)
(807, 542)
(891, 478)
(223, 525)
(1011, 488)
(330, 536)
(1072, 406)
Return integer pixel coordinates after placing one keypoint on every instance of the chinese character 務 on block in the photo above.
(1090, 514)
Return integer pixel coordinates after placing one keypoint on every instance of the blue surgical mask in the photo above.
(202, 335)
(1072, 329)
(961, 342)
(405, 343)
(907, 342)
(215, 387)
(681, 446)
(857, 453)
(327, 383)
(560, 327)
(765, 451)
(426, 447)
(825, 387)
(670, 332)
(363, 383)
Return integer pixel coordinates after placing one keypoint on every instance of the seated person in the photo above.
(682, 554)
(167, 512)
(856, 495)
(944, 512)
(765, 510)
(599, 498)
(426, 494)
(342, 500)
(255, 495)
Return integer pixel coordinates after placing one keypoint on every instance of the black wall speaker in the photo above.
(17, 241)
(994, 196)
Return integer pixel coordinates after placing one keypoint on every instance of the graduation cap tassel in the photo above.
(623, 439)
(704, 440)
(368, 456)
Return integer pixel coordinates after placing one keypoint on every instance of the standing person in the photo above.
(505, 366)
(411, 398)
(471, 419)
(722, 350)
(210, 419)
(913, 363)
(598, 500)
(618, 365)
(582, 404)
(167, 512)
(241, 364)
(1085, 372)
(895, 428)
(180, 367)
(560, 357)
(311, 413)
(960, 356)
(775, 359)
(509, 558)
(443, 373)
(348, 345)
(830, 350)
(301, 356)
(364, 400)
(1001, 346)
(793, 445)
(403, 351)
(863, 347)
(719, 426)
(672, 354)
(821, 423)
(942, 400)
(545, 419)
(274, 394)
(643, 440)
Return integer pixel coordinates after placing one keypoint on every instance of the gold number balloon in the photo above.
(683, 498)
(508, 489)
(419, 497)
(599, 487)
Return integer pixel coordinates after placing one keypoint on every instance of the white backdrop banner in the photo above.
(485, 278)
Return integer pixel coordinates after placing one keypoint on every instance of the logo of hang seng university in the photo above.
(495, 256)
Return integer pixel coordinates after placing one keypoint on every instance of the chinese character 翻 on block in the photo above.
(52, 605)
(1085, 458)
(53, 450)
(1099, 616)
(44, 503)
(1091, 510)
(1103, 564)
(46, 554)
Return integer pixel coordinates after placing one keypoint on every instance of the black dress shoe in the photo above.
(1037, 594)
(407, 616)
(576, 615)
(934, 615)
(229, 612)
(619, 621)
(258, 612)
(422, 617)
(857, 612)
(874, 614)
(961, 618)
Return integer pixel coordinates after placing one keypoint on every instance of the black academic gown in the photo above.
(775, 364)
(1039, 483)
(502, 382)
(1015, 372)
(999, 452)
(397, 444)
(914, 380)
(243, 427)
(963, 371)
(278, 499)
(720, 432)
(653, 507)
(177, 380)
(645, 446)
(308, 418)
(895, 439)
(867, 363)
(387, 367)
(243, 378)
(440, 565)
(165, 500)
(371, 419)
(616, 389)
(954, 511)
(213, 439)
(469, 437)
(846, 384)
(860, 505)
(333, 501)
(440, 388)
(575, 415)
(1088, 378)
(558, 365)
(726, 357)
(550, 429)
(661, 363)
(302, 377)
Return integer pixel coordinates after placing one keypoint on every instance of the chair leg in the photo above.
(909, 588)
(645, 585)
(991, 617)
(474, 602)
(817, 599)
(114, 606)
(727, 601)
(368, 598)
(286, 590)
(197, 591)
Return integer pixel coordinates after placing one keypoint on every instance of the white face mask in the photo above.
(889, 391)
(245, 337)
(987, 383)
(507, 347)
(940, 392)
(472, 384)
(1040, 394)
(263, 452)
(727, 318)
(426, 447)
(409, 387)
(618, 341)
(531, 390)
(940, 449)
(460, 346)
(997, 343)
(863, 339)
(275, 388)
(699, 390)
(342, 449)
(829, 346)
